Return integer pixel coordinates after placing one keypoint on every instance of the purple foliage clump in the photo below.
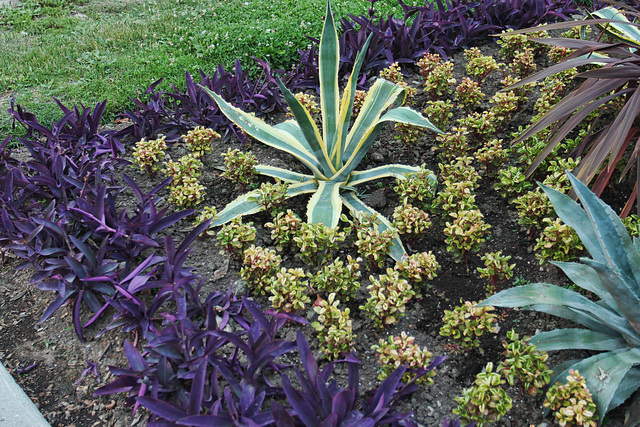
(59, 212)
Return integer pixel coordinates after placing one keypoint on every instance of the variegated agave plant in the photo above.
(333, 155)
(610, 321)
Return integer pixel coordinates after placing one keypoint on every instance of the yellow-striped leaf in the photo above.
(346, 106)
(385, 171)
(328, 63)
(246, 204)
(309, 129)
(283, 174)
(266, 134)
(325, 206)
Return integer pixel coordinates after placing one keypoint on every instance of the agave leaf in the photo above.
(622, 293)
(293, 129)
(309, 129)
(574, 316)
(328, 64)
(247, 203)
(400, 114)
(627, 387)
(268, 135)
(396, 171)
(587, 278)
(382, 95)
(615, 241)
(284, 174)
(346, 106)
(603, 373)
(623, 29)
(355, 205)
(325, 206)
(556, 299)
(575, 217)
(575, 338)
(409, 116)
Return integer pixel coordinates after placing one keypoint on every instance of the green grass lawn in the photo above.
(85, 51)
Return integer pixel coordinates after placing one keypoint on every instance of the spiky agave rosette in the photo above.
(610, 323)
(333, 155)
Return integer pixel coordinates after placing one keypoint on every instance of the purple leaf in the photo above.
(207, 421)
(27, 369)
(197, 388)
(136, 360)
(281, 416)
(308, 361)
(301, 407)
(161, 408)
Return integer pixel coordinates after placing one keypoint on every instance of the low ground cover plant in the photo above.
(418, 269)
(148, 155)
(524, 364)
(338, 277)
(258, 265)
(571, 402)
(388, 297)
(486, 401)
(465, 232)
(466, 323)
(334, 327)
(402, 350)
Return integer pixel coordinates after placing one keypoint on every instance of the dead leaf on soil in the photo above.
(222, 271)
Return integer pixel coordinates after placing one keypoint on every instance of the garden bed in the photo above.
(51, 364)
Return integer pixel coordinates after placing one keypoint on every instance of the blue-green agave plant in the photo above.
(333, 155)
(610, 321)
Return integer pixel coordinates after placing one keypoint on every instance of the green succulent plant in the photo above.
(484, 402)
(572, 402)
(465, 323)
(610, 322)
(388, 297)
(338, 277)
(333, 154)
(523, 363)
(334, 327)
(400, 350)
(258, 266)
